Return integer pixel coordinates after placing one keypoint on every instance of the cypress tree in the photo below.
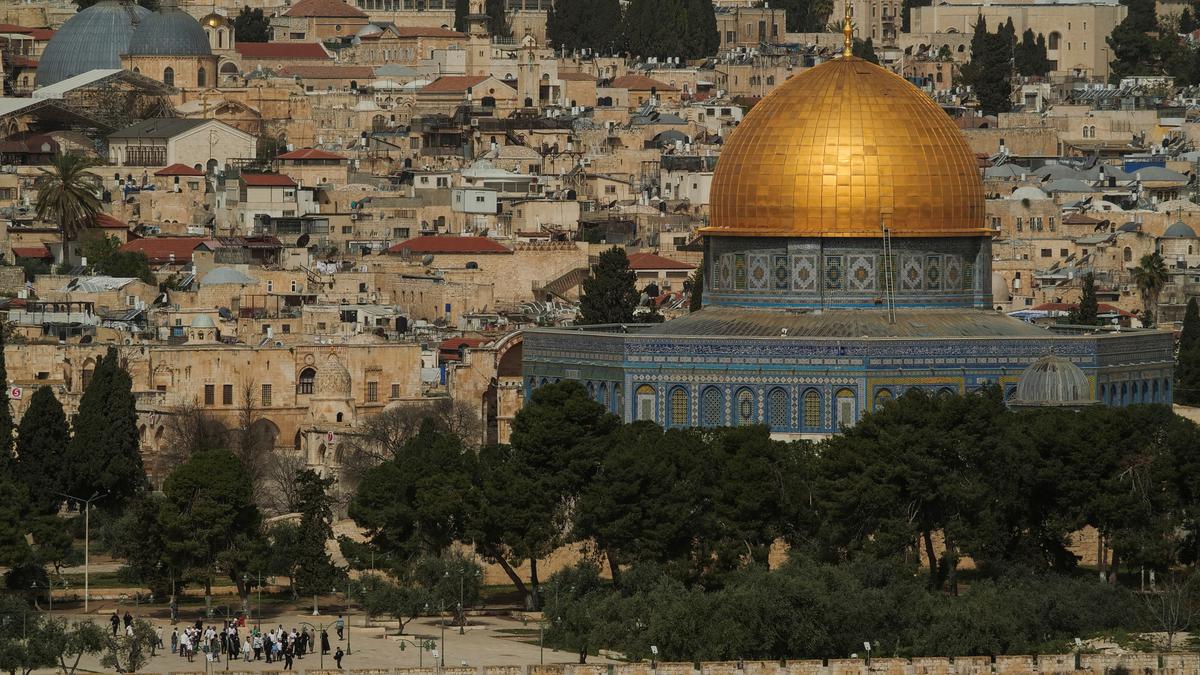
(1187, 23)
(1190, 334)
(461, 9)
(103, 453)
(610, 294)
(42, 440)
(865, 50)
(498, 24)
(696, 302)
(703, 39)
(6, 418)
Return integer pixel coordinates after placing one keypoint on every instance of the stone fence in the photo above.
(1091, 664)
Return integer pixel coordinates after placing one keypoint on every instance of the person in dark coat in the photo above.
(337, 657)
(116, 623)
(324, 641)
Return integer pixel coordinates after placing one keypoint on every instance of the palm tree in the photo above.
(1150, 275)
(68, 196)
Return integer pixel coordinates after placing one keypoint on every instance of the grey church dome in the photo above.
(1053, 381)
(94, 38)
(170, 32)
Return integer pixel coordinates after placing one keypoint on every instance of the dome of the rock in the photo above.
(95, 38)
(839, 149)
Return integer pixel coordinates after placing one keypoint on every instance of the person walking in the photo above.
(115, 621)
(340, 626)
(174, 640)
(287, 658)
(324, 641)
(174, 606)
(337, 657)
(246, 649)
(128, 619)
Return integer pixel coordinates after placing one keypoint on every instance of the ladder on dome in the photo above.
(889, 271)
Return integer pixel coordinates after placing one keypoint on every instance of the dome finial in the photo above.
(848, 32)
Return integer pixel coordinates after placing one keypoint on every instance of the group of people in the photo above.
(233, 640)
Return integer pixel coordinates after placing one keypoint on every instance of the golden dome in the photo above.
(834, 150)
(214, 20)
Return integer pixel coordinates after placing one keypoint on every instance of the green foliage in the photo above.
(1187, 21)
(314, 571)
(1150, 275)
(525, 490)
(813, 609)
(6, 418)
(24, 638)
(33, 267)
(461, 9)
(805, 16)
(573, 25)
(662, 28)
(251, 25)
(104, 454)
(418, 501)
(208, 514)
(610, 295)
(104, 255)
(865, 49)
(1187, 362)
(71, 641)
(990, 70)
(42, 440)
(429, 584)
(129, 653)
(1087, 313)
(1029, 56)
(68, 195)
(498, 24)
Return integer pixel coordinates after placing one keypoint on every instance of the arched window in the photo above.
(1145, 392)
(812, 410)
(169, 77)
(618, 399)
(778, 414)
(946, 391)
(201, 78)
(645, 402)
(711, 404)
(220, 38)
(339, 418)
(882, 397)
(1124, 393)
(1053, 40)
(1154, 392)
(305, 385)
(1104, 394)
(744, 412)
(679, 407)
(1128, 254)
(845, 408)
(604, 394)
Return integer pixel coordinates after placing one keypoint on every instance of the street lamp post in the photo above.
(422, 646)
(87, 531)
(319, 630)
(349, 581)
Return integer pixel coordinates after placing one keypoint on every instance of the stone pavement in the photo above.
(486, 642)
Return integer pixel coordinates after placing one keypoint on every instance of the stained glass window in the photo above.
(678, 407)
(812, 410)
(777, 409)
(745, 407)
(710, 407)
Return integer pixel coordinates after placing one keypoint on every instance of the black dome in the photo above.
(169, 33)
(92, 39)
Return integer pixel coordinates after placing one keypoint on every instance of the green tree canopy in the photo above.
(251, 25)
(68, 195)
(315, 572)
(572, 25)
(1187, 362)
(104, 453)
(42, 441)
(989, 71)
(610, 294)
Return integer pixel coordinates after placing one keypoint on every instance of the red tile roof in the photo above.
(282, 50)
(640, 83)
(309, 153)
(165, 249)
(576, 77)
(362, 73)
(268, 180)
(652, 261)
(325, 8)
(446, 244)
(453, 84)
(107, 222)
(179, 170)
(40, 252)
(427, 31)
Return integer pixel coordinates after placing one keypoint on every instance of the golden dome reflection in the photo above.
(834, 150)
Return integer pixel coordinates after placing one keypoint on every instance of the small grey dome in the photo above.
(92, 39)
(1179, 230)
(169, 33)
(1055, 382)
(227, 275)
(369, 29)
(1000, 292)
(203, 321)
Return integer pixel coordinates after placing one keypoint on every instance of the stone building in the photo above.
(845, 266)
(170, 46)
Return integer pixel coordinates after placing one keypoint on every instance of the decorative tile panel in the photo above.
(760, 272)
(780, 273)
(933, 273)
(804, 272)
(912, 273)
(835, 273)
(861, 272)
(952, 273)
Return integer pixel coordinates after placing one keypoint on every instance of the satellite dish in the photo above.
(427, 259)
(302, 242)
(85, 340)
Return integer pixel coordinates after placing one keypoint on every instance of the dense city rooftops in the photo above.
(445, 244)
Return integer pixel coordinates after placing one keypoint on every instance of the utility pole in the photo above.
(87, 533)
